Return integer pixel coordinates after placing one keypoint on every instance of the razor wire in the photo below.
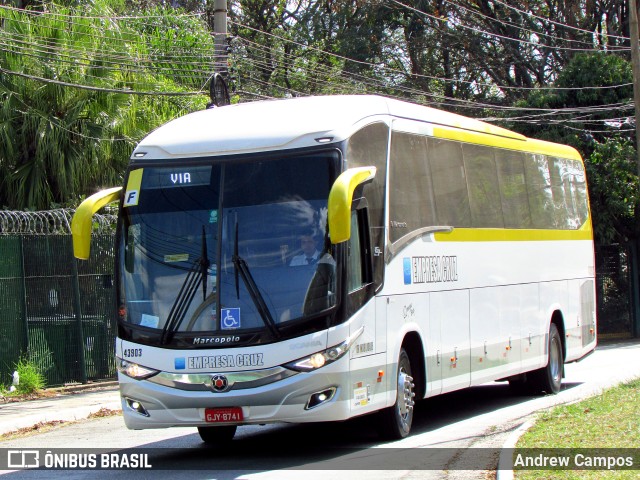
(50, 222)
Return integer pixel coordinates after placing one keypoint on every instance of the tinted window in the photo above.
(484, 194)
(411, 200)
(449, 183)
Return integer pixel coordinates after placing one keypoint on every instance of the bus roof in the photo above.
(299, 122)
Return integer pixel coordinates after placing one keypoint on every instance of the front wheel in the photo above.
(549, 379)
(395, 422)
(217, 436)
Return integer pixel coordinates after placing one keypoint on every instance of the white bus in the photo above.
(321, 258)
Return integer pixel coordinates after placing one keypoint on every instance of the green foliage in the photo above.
(601, 69)
(609, 153)
(31, 380)
(608, 420)
(574, 91)
(613, 187)
(67, 123)
(59, 143)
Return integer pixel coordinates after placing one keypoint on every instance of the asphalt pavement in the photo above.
(79, 402)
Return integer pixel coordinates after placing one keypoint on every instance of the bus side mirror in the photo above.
(81, 221)
(340, 199)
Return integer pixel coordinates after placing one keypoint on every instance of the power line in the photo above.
(122, 57)
(496, 35)
(569, 27)
(99, 89)
(530, 15)
(416, 75)
(312, 75)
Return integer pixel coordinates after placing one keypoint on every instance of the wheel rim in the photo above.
(405, 398)
(555, 360)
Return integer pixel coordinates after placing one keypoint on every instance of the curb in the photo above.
(57, 392)
(507, 451)
(83, 387)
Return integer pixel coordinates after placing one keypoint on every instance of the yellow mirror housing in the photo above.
(81, 221)
(340, 199)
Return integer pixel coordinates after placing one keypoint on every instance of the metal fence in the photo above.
(60, 313)
(57, 312)
(614, 290)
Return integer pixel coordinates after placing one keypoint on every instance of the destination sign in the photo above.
(155, 178)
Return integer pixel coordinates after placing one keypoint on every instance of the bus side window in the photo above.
(354, 263)
(359, 261)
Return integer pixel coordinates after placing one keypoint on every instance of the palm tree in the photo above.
(68, 117)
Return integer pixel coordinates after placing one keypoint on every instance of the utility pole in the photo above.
(218, 90)
(220, 37)
(635, 63)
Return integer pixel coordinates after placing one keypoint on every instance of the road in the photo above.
(455, 436)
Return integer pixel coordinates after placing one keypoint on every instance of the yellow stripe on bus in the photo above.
(529, 145)
(514, 235)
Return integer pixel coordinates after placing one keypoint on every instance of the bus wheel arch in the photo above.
(548, 379)
(395, 422)
(412, 344)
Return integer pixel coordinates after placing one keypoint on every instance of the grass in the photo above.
(610, 420)
(31, 380)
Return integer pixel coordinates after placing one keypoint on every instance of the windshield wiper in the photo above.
(242, 268)
(197, 274)
(204, 265)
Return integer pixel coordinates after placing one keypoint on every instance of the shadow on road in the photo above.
(310, 450)
(349, 445)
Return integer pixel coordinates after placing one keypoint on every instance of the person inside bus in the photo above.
(310, 253)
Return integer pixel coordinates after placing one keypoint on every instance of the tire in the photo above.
(549, 378)
(217, 436)
(395, 421)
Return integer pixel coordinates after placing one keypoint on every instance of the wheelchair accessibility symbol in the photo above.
(230, 318)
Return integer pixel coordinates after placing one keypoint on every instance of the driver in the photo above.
(310, 253)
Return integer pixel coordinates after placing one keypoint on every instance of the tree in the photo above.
(590, 102)
(69, 120)
(598, 122)
(613, 191)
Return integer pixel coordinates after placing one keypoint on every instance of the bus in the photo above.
(321, 258)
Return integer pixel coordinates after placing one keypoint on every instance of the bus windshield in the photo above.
(228, 248)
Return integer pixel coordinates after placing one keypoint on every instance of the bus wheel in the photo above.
(217, 436)
(549, 379)
(395, 422)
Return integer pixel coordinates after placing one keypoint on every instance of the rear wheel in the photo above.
(395, 422)
(217, 436)
(549, 379)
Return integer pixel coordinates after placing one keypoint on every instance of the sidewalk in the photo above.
(75, 403)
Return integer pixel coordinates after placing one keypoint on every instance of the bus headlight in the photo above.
(325, 357)
(134, 370)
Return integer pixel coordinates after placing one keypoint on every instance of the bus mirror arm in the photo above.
(82, 220)
(340, 199)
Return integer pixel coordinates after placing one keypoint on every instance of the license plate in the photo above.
(222, 415)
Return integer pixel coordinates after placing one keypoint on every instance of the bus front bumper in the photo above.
(303, 397)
